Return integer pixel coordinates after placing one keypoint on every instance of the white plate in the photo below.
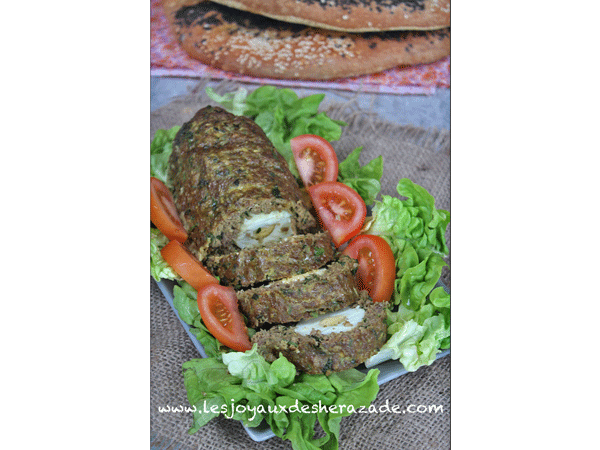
(388, 370)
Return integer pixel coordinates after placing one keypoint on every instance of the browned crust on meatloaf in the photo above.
(302, 296)
(213, 126)
(223, 168)
(353, 15)
(246, 43)
(318, 353)
(274, 261)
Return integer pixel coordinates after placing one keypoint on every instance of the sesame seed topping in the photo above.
(244, 39)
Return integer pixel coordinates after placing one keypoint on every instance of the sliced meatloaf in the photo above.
(231, 187)
(312, 349)
(302, 296)
(276, 260)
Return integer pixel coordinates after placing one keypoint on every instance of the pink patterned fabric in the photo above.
(167, 58)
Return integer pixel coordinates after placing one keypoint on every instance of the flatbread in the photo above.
(353, 15)
(254, 45)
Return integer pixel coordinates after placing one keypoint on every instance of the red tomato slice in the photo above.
(186, 265)
(339, 208)
(376, 265)
(163, 213)
(219, 310)
(315, 159)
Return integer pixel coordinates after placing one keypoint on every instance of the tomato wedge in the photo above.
(163, 213)
(376, 265)
(339, 208)
(315, 159)
(219, 310)
(186, 265)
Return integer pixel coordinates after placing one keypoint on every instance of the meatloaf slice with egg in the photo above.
(274, 261)
(228, 181)
(302, 296)
(330, 343)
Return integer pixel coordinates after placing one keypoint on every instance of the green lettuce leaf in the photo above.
(440, 299)
(416, 345)
(159, 269)
(267, 97)
(353, 388)
(319, 124)
(234, 102)
(366, 180)
(160, 151)
(415, 219)
(257, 374)
(204, 380)
(184, 300)
(419, 270)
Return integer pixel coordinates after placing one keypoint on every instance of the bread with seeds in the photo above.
(249, 44)
(353, 15)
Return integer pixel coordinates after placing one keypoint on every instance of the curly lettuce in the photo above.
(160, 151)
(366, 180)
(415, 230)
(414, 219)
(159, 269)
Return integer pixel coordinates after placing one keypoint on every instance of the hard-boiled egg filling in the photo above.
(259, 229)
(334, 322)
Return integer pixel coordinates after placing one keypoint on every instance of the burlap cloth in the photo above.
(419, 154)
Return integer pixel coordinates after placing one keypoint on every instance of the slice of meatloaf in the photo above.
(302, 296)
(231, 187)
(313, 350)
(277, 260)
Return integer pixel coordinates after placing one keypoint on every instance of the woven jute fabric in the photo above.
(419, 154)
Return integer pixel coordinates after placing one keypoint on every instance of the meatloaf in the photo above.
(231, 187)
(320, 352)
(274, 261)
(302, 296)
